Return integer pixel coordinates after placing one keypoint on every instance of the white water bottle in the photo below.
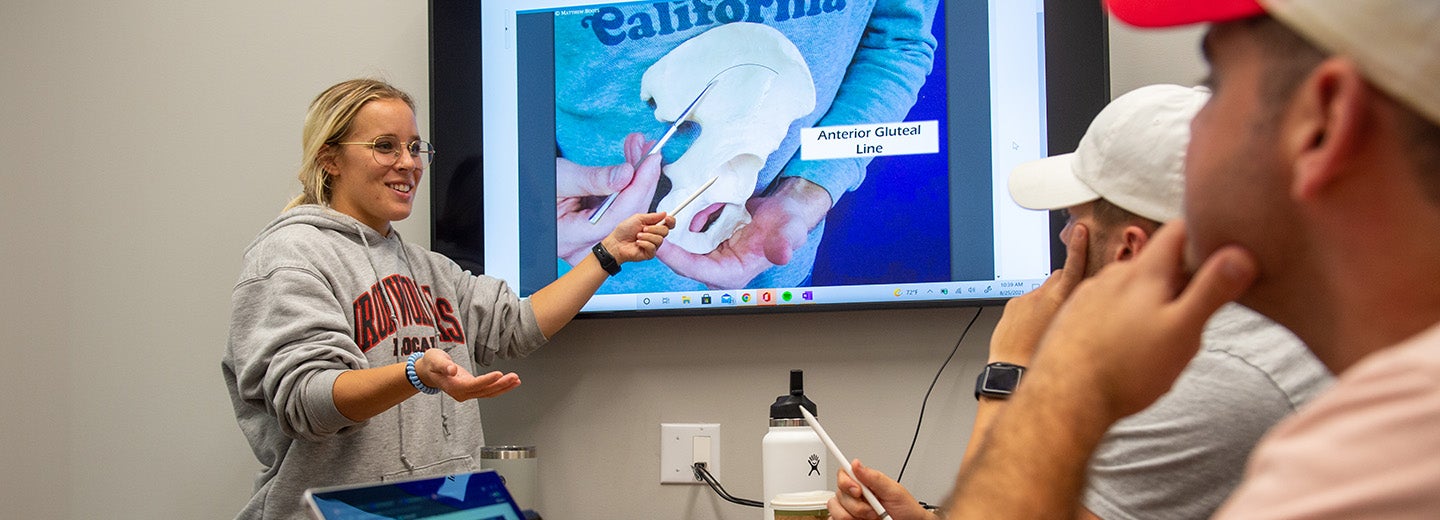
(793, 456)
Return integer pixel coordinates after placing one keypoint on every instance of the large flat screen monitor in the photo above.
(833, 153)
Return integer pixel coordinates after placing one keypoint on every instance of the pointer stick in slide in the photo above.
(675, 125)
(654, 149)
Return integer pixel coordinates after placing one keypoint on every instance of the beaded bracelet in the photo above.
(415, 378)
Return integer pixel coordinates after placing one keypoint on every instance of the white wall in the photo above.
(1140, 57)
(145, 143)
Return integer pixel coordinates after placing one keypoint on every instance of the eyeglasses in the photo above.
(387, 150)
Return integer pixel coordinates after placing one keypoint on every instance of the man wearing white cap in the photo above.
(1181, 457)
(1312, 196)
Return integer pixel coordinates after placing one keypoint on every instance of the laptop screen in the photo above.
(468, 496)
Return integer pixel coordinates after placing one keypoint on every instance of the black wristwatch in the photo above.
(607, 262)
(998, 380)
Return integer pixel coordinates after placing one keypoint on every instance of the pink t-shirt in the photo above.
(1367, 448)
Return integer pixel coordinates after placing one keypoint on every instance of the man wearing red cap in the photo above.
(1312, 196)
(1185, 454)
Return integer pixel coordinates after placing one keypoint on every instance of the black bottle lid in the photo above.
(788, 406)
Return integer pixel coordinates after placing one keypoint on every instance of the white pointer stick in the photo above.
(697, 193)
(844, 462)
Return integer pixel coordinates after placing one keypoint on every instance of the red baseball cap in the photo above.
(1167, 13)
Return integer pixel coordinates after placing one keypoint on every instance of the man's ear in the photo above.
(1132, 239)
(1327, 117)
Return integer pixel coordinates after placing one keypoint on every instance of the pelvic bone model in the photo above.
(761, 85)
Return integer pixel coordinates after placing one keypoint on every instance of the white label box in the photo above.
(869, 140)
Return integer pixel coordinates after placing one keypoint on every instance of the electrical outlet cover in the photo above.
(678, 451)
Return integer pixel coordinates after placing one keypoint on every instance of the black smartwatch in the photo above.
(998, 380)
(607, 262)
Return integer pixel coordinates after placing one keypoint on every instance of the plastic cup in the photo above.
(803, 505)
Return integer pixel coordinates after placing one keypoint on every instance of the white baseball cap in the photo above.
(1132, 155)
(1396, 43)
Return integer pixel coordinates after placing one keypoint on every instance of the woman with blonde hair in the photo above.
(338, 325)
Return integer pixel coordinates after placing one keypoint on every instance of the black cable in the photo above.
(923, 402)
(704, 474)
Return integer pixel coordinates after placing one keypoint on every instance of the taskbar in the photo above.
(779, 297)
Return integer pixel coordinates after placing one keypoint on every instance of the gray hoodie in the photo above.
(321, 293)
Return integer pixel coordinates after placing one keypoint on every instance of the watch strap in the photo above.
(607, 262)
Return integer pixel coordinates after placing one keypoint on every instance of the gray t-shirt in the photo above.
(1182, 456)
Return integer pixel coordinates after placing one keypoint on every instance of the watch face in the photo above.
(1001, 380)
